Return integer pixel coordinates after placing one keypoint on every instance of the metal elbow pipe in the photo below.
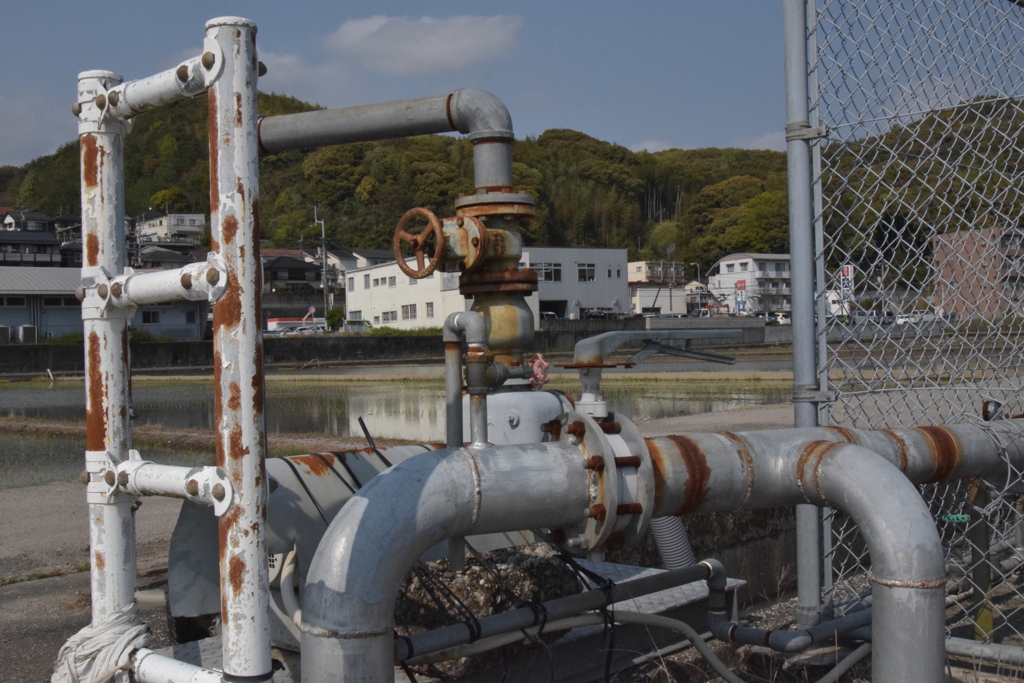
(475, 113)
(350, 591)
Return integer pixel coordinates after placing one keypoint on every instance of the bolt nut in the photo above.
(76, 108)
(80, 293)
(475, 242)
(114, 98)
(101, 101)
(459, 222)
(575, 543)
(182, 73)
(598, 512)
(218, 492)
(577, 428)
(208, 60)
(186, 280)
(595, 462)
(261, 69)
(192, 487)
(102, 291)
(110, 477)
(212, 276)
(115, 289)
(122, 478)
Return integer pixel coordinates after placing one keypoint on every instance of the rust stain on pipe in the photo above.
(99, 561)
(901, 447)
(92, 250)
(748, 462)
(234, 396)
(846, 434)
(90, 160)
(814, 451)
(698, 473)
(236, 573)
(317, 465)
(944, 449)
(95, 411)
(237, 450)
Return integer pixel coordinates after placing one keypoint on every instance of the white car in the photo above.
(908, 319)
(784, 318)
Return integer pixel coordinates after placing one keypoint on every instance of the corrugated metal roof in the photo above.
(19, 280)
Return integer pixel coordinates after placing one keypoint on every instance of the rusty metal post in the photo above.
(238, 352)
(107, 381)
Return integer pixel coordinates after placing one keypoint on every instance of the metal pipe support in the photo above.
(190, 78)
(203, 485)
(205, 281)
(149, 667)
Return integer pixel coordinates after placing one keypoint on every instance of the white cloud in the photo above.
(775, 140)
(33, 125)
(400, 46)
(651, 146)
(328, 83)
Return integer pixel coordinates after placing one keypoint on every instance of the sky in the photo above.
(647, 75)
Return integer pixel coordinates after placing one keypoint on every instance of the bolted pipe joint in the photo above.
(480, 115)
(202, 485)
(205, 281)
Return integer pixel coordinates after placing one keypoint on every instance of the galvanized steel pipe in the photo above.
(203, 281)
(188, 79)
(350, 591)
(107, 378)
(238, 351)
(470, 327)
(476, 113)
(149, 667)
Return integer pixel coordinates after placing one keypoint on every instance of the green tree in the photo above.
(28, 191)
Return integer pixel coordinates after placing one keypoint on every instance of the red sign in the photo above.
(741, 284)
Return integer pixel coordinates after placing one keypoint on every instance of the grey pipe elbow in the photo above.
(468, 325)
(480, 115)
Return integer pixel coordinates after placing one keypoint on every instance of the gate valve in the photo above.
(418, 243)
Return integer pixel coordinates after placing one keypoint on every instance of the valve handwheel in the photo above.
(418, 243)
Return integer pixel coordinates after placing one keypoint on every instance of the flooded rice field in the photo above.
(405, 410)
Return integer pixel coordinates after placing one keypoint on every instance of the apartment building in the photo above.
(752, 282)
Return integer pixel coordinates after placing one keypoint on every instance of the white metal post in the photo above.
(238, 352)
(107, 381)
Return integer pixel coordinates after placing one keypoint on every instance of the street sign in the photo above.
(330, 301)
(741, 285)
(846, 272)
(312, 310)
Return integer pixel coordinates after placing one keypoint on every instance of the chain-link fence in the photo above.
(919, 192)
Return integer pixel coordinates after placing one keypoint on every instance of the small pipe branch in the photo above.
(204, 281)
(203, 485)
(471, 328)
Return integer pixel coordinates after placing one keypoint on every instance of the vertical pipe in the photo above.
(981, 572)
(238, 352)
(453, 394)
(801, 246)
(107, 382)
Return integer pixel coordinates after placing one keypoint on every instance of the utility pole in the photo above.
(671, 264)
(323, 256)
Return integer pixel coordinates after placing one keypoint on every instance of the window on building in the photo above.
(72, 301)
(730, 268)
(351, 284)
(781, 267)
(743, 266)
(618, 272)
(430, 309)
(150, 317)
(586, 271)
(548, 272)
(78, 257)
(391, 281)
(193, 221)
(376, 282)
(51, 301)
(409, 312)
(190, 317)
(412, 281)
(366, 282)
(17, 301)
(762, 266)
(376, 320)
(638, 268)
(355, 315)
(385, 317)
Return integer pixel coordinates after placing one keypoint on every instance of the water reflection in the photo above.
(405, 410)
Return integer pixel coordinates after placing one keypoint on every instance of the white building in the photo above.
(572, 282)
(661, 287)
(172, 227)
(752, 282)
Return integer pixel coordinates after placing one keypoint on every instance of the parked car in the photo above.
(768, 317)
(908, 319)
(784, 318)
(699, 313)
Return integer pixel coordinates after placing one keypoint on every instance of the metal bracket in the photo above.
(809, 393)
(803, 131)
(652, 347)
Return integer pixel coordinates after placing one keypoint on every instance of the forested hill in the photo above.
(706, 202)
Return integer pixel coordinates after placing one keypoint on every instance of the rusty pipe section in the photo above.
(107, 379)
(190, 78)
(238, 352)
(204, 281)
(703, 471)
(348, 601)
(475, 113)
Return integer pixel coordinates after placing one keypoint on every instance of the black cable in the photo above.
(308, 492)
(369, 440)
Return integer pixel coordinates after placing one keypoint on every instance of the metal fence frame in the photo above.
(902, 141)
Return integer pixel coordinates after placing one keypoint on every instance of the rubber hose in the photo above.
(673, 543)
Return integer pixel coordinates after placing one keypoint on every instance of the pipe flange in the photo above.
(466, 241)
(498, 202)
(635, 473)
(593, 534)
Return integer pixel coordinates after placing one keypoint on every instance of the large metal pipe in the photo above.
(350, 591)
(801, 255)
(107, 379)
(238, 352)
(475, 113)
